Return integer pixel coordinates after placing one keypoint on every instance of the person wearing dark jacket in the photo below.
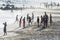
(38, 21)
(45, 19)
(29, 20)
(5, 31)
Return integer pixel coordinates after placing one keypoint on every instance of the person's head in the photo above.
(50, 14)
(21, 16)
(16, 15)
(32, 13)
(5, 22)
(45, 13)
(24, 18)
(41, 16)
(37, 16)
(28, 14)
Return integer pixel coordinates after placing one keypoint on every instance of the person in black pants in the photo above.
(24, 22)
(29, 20)
(38, 21)
(50, 19)
(20, 21)
(5, 31)
(45, 19)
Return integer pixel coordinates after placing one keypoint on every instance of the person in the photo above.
(50, 19)
(45, 19)
(29, 21)
(20, 21)
(24, 22)
(5, 31)
(16, 17)
(32, 18)
(38, 21)
(41, 20)
(27, 17)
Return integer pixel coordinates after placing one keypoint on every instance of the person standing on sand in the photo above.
(38, 21)
(16, 17)
(20, 21)
(5, 30)
(27, 17)
(41, 19)
(29, 20)
(50, 19)
(45, 19)
(24, 22)
(32, 19)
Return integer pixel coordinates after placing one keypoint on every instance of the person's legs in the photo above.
(38, 24)
(6, 33)
(44, 25)
(23, 25)
(20, 25)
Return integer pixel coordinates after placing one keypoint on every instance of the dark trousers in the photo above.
(37, 24)
(45, 24)
(24, 25)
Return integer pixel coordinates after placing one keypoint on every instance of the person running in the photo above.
(38, 21)
(20, 21)
(50, 19)
(5, 30)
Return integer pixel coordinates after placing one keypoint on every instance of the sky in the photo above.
(36, 0)
(31, 1)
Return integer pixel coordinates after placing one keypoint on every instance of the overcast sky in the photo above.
(41, 0)
(33, 1)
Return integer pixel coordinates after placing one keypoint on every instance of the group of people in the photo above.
(30, 20)
(44, 20)
(23, 20)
